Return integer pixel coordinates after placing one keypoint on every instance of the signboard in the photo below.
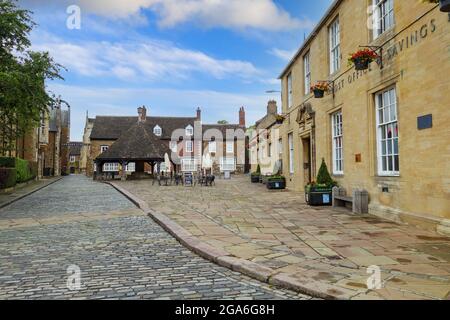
(227, 175)
(188, 179)
(326, 198)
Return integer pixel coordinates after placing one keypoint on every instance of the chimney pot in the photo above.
(242, 117)
(199, 114)
(142, 114)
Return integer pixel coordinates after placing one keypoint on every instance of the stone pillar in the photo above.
(360, 201)
(124, 171)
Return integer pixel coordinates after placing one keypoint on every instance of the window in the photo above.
(280, 146)
(269, 150)
(212, 147)
(188, 165)
(387, 133)
(72, 159)
(291, 153)
(383, 16)
(111, 167)
(227, 164)
(104, 148)
(289, 80)
(189, 131)
(173, 146)
(157, 131)
(230, 146)
(307, 68)
(338, 158)
(189, 146)
(335, 46)
(131, 167)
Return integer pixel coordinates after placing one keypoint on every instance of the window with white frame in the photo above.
(111, 167)
(335, 46)
(338, 139)
(307, 68)
(189, 131)
(157, 131)
(189, 146)
(383, 16)
(227, 164)
(291, 153)
(103, 148)
(289, 88)
(280, 146)
(72, 159)
(131, 167)
(173, 146)
(212, 147)
(188, 165)
(387, 133)
(230, 146)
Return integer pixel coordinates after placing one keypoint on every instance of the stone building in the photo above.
(139, 144)
(74, 157)
(265, 142)
(386, 129)
(85, 149)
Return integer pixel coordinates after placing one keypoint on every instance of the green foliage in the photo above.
(25, 171)
(276, 178)
(323, 177)
(7, 178)
(258, 170)
(222, 122)
(23, 96)
(7, 162)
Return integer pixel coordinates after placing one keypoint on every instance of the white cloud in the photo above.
(147, 60)
(285, 55)
(235, 14)
(161, 102)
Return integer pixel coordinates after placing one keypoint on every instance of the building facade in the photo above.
(74, 157)
(386, 129)
(115, 142)
(85, 149)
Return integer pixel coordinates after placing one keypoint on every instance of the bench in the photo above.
(359, 201)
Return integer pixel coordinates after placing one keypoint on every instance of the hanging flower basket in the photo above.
(362, 58)
(319, 89)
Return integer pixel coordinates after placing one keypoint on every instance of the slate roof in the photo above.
(112, 128)
(75, 148)
(222, 128)
(137, 144)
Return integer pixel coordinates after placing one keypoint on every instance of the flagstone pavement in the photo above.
(320, 246)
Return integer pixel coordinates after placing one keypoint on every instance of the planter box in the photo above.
(255, 179)
(319, 197)
(318, 93)
(276, 184)
(445, 5)
(361, 64)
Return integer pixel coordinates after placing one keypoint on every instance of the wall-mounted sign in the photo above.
(188, 179)
(425, 122)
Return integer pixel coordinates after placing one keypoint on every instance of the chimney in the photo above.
(272, 107)
(242, 117)
(142, 114)
(199, 114)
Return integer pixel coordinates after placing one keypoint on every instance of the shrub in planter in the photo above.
(320, 193)
(276, 183)
(256, 176)
(7, 162)
(362, 58)
(319, 89)
(7, 178)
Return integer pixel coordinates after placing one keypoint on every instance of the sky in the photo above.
(170, 55)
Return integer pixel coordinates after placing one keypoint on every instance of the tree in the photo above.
(23, 95)
(323, 177)
(222, 122)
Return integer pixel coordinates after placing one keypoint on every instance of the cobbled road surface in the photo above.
(120, 252)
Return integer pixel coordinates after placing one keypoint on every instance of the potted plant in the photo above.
(319, 193)
(279, 119)
(445, 4)
(362, 58)
(276, 182)
(255, 176)
(319, 89)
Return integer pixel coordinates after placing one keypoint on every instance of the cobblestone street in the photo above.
(121, 252)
